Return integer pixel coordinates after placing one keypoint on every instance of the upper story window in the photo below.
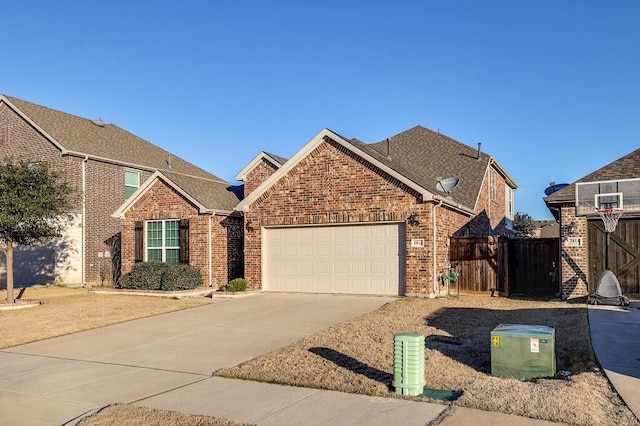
(163, 241)
(508, 202)
(131, 183)
(493, 192)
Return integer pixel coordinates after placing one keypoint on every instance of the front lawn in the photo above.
(356, 356)
(67, 310)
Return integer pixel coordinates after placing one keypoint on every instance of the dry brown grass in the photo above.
(356, 357)
(129, 415)
(69, 310)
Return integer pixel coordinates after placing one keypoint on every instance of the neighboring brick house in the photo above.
(104, 164)
(545, 229)
(342, 216)
(581, 255)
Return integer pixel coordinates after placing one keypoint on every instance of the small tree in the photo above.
(523, 224)
(34, 207)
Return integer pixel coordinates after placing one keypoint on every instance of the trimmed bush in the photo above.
(236, 284)
(181, 277)
(144, 276)
(161, 276)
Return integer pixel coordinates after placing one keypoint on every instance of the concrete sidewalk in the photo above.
(266, 404)
(167, 362)
(615, 336)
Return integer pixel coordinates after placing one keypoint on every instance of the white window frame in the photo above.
(493, 192)
(508, 202)
(163, 246)
(126, 185)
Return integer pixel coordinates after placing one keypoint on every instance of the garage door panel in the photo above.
(306, 267)
(323, 267)
(359, 268)
(363, 259)
(341, 267)
(341, 285)
(378, 268)
(379, 249)
(341, 250)
(323, 285)
(290, 250)
(360, 232)
(305, 250)
(323, 249)
(359, 250)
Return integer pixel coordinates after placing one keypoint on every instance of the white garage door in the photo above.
(363, 259)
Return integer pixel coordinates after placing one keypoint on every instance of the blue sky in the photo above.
(551, 89)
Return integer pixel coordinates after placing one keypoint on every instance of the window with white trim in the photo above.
(131, 183)
(508, 201)
(163, 241)
(493, 193)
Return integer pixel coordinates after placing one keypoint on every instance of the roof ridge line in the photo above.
(192, 176)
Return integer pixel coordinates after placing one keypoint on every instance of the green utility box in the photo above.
(523, 351)
(408, 364)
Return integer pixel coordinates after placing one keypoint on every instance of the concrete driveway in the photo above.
(54, 381)
(615, 335)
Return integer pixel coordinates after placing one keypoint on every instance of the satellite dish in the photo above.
(554, 187)
(447, 185)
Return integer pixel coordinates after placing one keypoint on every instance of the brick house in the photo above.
(581, 254)
(105, 165)
(342, 216)
(178, 218)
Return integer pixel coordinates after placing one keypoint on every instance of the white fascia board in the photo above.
(256, 160)
(122, 210)
(308, 148)
(34, 124)
(512, 183)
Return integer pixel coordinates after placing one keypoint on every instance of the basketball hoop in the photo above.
(610, 218)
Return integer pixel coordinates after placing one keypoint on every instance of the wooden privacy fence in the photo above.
(508, 266)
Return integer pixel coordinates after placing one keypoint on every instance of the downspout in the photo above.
(83, 263)
(436, 287)
(210, 252)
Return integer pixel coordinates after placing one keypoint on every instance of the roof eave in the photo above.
(254, 162)
(453, 205)
(512, 183)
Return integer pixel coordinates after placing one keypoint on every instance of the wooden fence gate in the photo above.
(624, 254)
(508, 266)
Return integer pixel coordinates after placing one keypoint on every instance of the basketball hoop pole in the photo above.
(606, 250)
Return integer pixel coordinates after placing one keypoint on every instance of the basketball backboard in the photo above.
(608, 194)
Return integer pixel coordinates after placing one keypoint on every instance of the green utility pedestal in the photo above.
(408, 364)
(523, 351)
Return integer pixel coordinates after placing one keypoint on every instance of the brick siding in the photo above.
(575, 260)
(257, 175)
(160, 202)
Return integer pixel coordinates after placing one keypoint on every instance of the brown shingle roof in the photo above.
(85, 137)
(280, 160)
(214, 195)
(623, 168)
(424, 155)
